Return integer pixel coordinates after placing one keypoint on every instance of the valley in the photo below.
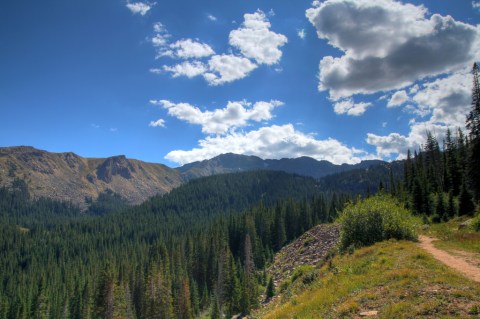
(240, 160)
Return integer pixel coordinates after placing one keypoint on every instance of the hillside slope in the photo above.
(392, 279)
(69, 177)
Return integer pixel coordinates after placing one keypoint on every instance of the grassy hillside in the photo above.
(456, 234)
(395, 278)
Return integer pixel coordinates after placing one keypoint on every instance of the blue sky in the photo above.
(173, 82)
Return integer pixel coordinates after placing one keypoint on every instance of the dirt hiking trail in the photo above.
(456, 262)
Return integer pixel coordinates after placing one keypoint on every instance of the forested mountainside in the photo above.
(232, 163)
(69, 177)
(201, 246)
(366, 181)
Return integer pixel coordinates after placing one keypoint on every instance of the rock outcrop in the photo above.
(309, 249)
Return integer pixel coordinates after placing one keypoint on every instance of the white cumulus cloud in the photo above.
(392, 143)
(188, 48)
(228, 68)
(390, 43)
(255, 40)
(276, 141)
(140, 8)
(234, 115)
(448, 99)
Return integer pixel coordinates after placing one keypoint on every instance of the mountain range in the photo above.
(70, 177)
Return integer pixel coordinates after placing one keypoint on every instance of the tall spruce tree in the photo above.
(473, 124)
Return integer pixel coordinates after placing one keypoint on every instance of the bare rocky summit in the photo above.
(69, 177)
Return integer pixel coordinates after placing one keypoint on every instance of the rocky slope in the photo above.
(309, 249)
(67, 176)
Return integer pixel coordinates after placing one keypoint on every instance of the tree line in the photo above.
(445, 182)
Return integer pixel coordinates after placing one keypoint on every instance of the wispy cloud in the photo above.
(302, 33)
(187, 68)
(211, 17)
(157, 123)
(398, 98)
(140, 8)
(349, 107)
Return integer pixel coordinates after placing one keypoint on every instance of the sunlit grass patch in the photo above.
(452, 236)
(397, 279)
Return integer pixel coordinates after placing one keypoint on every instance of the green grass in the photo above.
(396, 278)
(452, 238)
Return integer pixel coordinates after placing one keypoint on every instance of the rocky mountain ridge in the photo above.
(69, 177)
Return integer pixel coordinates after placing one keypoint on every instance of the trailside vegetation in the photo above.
(373, 220)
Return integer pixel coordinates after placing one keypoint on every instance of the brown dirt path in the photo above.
(456, 262)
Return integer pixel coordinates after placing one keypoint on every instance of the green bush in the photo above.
(476, 221)
(300, 271)
(375, 219)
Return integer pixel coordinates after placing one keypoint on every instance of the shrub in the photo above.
(476, 221)
(300, 271)
(375, 219)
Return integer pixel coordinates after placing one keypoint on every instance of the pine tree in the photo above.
(433, 164)
(3, 308)
(270, 289)
(452, 212)
(42, 309)
(279, 233)
(216, 310)
(441, 209)
(195, 298)
(104, 302)
(205, 300)
(157, 295)
(473, 124)
(249, 289)
(465, 203)
(184, 309)
(408, 172)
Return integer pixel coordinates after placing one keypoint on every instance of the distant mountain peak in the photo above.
(230, 162)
